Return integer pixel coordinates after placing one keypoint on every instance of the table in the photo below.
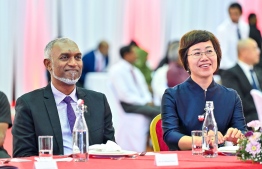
(186, 161)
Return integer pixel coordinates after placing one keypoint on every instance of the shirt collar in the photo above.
(244, 66)
(98, 53)
(195, 86)
(59, 96)
(126, 63)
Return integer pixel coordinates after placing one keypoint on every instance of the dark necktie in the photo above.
(238, 33)
(254, 84)
(70, 112)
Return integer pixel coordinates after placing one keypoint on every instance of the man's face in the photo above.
(66, 62)
(104, 49)
(131, 57)
(234, 14)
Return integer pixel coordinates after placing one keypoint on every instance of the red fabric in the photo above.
(185, 158)
(159, 133)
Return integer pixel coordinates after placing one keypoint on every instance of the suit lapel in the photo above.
(53, 117)
(240, 73)
(259, 76)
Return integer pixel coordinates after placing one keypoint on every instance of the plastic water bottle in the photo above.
(80, 137)
(209, 132)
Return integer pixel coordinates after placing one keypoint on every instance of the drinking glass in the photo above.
(45, 144)
(196, 142)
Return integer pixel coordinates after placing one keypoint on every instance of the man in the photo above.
(254, 33)
(169, 74)
(46, 111)
(130, 85)
(244, 77)
(141, 63)
(95, 61)
(229, 33)
(5, 122)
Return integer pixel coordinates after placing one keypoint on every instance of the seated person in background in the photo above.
(95, 61)
(142, 64)
(44, 111)
(243, 77)
(176, 74)
(200, 55)
(5, 122)
(130, 85)
(168, 75)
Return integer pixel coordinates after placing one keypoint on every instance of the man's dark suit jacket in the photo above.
(36, 115)
(235, 78)
(89, 65)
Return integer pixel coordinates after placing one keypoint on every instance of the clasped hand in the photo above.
(233, 134)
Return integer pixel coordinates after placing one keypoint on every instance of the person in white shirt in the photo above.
(229, 33)
(244, 77)
(130, 85)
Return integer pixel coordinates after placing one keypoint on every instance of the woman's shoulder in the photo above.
(226, 90)
(176, 89)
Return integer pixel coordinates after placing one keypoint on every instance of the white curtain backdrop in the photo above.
(26, 26)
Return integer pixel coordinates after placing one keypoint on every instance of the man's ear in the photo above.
(47, 63)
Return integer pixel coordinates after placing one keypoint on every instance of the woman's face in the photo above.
(202, 60)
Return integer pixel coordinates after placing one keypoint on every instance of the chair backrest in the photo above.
(156, 134)
(257, 97)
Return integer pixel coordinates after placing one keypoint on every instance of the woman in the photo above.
(200, 55)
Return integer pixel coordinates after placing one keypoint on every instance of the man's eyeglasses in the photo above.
(208, 53)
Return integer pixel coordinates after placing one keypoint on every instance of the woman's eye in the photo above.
(197, 54)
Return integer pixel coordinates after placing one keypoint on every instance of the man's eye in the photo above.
(78, 57)
(197, 54)
(63, 57)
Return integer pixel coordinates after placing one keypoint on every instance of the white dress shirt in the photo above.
(159, 83)
(100, 62)
(246, 69)
(127, 89)
(62, 112)
(228, 38)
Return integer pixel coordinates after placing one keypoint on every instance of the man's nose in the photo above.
(72, 61)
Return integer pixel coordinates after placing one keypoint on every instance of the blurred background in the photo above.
(26, 26)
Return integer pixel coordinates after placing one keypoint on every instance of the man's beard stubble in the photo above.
(66, 80)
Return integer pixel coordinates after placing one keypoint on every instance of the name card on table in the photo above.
(166, 159)
(45, 165)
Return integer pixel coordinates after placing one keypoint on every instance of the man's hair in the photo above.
(235, 5)
(50, 45)
(102, 43)
(124, 50)
(193, 37)
(251, 15)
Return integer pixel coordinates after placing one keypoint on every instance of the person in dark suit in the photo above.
(95, 61)
(44, 111)
(239, 77)
(200, 55)
(5, 123)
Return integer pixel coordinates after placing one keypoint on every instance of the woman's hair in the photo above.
(193, 37)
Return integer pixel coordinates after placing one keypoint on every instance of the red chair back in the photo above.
(156, 133)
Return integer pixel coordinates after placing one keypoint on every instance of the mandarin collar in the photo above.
(193, 85)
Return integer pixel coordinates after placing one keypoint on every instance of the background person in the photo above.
(95, 61)
(244, 77)
(5, 123)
